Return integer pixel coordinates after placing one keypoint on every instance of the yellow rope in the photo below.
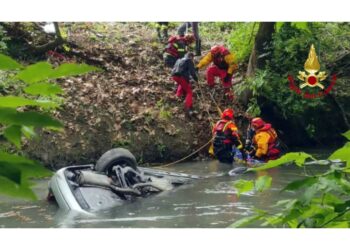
(210, 120)
(201, 100)
(184, 158)
(206, 144)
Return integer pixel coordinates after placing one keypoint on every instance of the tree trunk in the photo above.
(259, 54)
(50, 45)
(18, 32)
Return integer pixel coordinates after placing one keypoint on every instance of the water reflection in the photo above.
(210, 202)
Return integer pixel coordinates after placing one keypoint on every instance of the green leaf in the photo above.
(278, 26)
(71, 69)
(347, 135)
(28, 132)
(7, 63)
(10, 172)
(286, 203)
(310, 193)
(290, 216)
(292, 223)
(339, 208)
(28, 168)
(344, 184)
(338, 224)
(309, 223)
(36, 73)
(273, 220)
(246, 221)
(42, 71)
(312, 210)
(30, 119)
(301, 26)
(263, 183)
(342, 154)
(15, 102)
(298, 25)
(43, 89)
(300, 184)
(243, 186)
(331, 199)
(13, 134)
(331, 183)
(297, 157)
(12, 189)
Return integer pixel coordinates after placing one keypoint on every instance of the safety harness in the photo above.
(176, 47)
(274, 145)
(221, 137)
(219, 59)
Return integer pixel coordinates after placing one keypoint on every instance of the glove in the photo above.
(227, 77)
(247, 145)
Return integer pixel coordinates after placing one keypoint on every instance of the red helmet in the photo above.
(215, 49)
(227, 114)
(189, 38)
(172, 39)
(257, 123)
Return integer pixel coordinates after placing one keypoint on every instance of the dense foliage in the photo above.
(321, 200)
(286, 56)
(21, 115)
(3, 39)
(238, 37)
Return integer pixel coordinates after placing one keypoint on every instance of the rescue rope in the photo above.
(188, 156)
(201, 100)
(216, 104)
(211, 120)
(206, 144)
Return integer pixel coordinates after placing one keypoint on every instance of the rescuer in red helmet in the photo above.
(223, 65)
(176, 48)
(225, 133)
(264, 141)
(183, 29)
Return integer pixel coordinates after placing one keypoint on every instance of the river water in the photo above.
(206, 203)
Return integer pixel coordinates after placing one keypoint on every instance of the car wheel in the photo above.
(114, 157)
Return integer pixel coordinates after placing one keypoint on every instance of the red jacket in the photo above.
(176, 46)
(229, 129)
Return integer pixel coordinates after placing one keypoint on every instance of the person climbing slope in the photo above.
(176, 49)
(182, 73)
(183, 29)
(223, 65)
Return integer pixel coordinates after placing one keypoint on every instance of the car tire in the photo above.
(113, 157)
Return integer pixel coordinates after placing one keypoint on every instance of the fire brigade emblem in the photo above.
(311, 78)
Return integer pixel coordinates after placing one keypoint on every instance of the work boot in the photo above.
(189, 112)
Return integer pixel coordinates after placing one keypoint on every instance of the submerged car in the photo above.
(112, 181)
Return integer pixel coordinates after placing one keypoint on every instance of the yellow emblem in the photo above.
(312, 66)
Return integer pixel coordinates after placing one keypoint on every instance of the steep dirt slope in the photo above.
(131, 103)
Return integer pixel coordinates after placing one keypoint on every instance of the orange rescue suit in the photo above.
(229, 59)
(265, 141)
